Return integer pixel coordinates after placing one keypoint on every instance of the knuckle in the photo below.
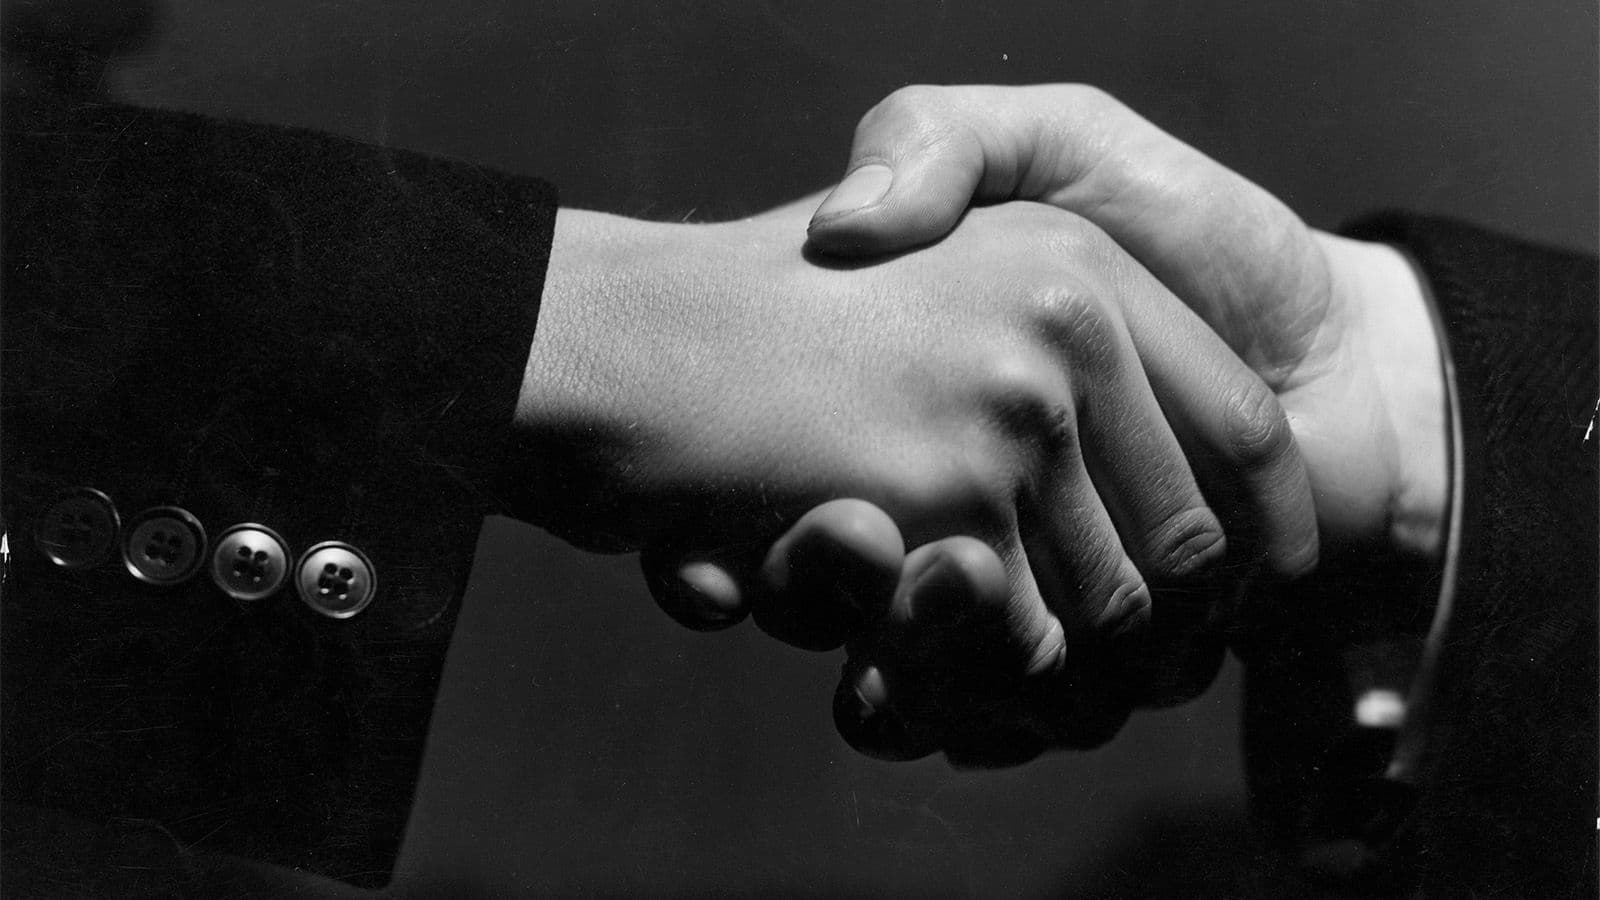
(1186, 543)
(1111, 595)
(1031, 400)
(1126, 610)
(1080, 324)
(1257, 430)
(947, 493)
(1015, 376)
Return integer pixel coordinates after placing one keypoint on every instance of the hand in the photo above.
(1338, 328)
(694, 389)
(954, 664)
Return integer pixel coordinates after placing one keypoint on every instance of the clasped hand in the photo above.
(1069, 409)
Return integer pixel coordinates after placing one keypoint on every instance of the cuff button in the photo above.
(163, 545)
(250, 562)
(336, 579)
(79, 530)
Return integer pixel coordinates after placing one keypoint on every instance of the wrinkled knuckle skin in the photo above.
(1258, 431)
(1080, 325)
(1186, 544)
(1127, 609)
(1032, 402)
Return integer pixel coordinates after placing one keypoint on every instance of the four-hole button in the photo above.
(163, 545)
(336, 579)
(250, 562)
(79, 530)
(166, 545)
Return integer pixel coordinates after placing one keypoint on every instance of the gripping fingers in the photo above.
(944, 669)
(833, 570)
(1140, 473)
(1233, 427)
(702, 590)
(831, 574)
(1078, 559)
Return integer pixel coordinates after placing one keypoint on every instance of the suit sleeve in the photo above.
(257, 325)
(1508, 787)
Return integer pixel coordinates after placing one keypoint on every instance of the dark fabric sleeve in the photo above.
(1507, 796)
(257, 325)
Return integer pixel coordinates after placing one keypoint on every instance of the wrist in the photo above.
(573, 408)
(1396, 335)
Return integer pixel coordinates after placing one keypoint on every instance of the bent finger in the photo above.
(830, 574)
(702, 589)
(1232, 427)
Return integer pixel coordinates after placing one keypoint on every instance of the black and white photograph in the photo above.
(1092, 449)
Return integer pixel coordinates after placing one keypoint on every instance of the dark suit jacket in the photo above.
(255, 325)
(1501, 798)
(1506, 804)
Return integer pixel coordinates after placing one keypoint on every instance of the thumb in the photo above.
(914, 169)
(1232, 251)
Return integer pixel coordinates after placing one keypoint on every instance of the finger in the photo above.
(868, 723)
(925, 153)
(910, 177)
(1226, 246)
(834, 571)
(1135, 465)
(959, 638)
(958, 609)
(982, 634)
(706, 590)
(1231, 428)
(1084, 574)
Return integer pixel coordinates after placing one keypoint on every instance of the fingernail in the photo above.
(716, 597)
(861, 188)
(871, 693)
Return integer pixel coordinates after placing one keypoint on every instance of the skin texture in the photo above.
(1338, 328)
(694, 390)
(1335, 327)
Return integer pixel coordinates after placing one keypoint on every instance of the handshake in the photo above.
(1019, 415)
